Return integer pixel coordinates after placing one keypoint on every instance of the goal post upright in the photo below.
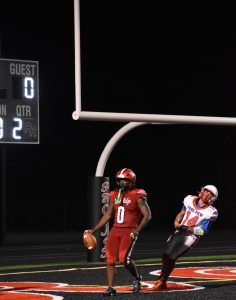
(77, 111)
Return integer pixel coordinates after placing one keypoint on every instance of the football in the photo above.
(89, 240)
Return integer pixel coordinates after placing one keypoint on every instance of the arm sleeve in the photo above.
(206, 225)
(204, 228)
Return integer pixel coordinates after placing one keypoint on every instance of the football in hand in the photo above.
(89, 240)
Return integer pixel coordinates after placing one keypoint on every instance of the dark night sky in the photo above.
(171, 59)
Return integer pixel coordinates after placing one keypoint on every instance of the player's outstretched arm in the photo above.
(105, 218)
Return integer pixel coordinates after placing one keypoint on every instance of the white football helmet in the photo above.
(213, 190)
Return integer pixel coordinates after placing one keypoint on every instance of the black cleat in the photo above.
(137, 284)
(109, 292)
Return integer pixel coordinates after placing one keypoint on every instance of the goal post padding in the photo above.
(97, 204)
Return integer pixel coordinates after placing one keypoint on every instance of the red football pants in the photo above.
(119, 245)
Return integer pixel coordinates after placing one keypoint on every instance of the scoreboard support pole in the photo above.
(3, 186)
(3, 198)
(98, 201)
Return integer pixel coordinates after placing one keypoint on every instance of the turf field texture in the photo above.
(50, 267)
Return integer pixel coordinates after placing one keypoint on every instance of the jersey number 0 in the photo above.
(120, 214)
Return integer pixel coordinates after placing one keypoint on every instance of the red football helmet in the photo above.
(126, 174)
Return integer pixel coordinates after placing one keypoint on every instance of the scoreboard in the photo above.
(19, 101)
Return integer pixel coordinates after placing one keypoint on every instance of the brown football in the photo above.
(89, 240)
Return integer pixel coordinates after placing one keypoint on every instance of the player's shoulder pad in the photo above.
(140, 192)
(213, 213)
(112, 193)
(188, 198)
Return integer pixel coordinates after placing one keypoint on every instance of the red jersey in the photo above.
(127, 212)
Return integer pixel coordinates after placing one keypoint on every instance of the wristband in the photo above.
(198, 231)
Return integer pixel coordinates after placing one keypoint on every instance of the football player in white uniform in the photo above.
(192, 222)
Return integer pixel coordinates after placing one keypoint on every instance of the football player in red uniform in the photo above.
(128, 205)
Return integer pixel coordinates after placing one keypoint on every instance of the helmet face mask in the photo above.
(123, 184)
(205, 197)
(125, 179)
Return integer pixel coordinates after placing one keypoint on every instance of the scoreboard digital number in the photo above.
(19, 101)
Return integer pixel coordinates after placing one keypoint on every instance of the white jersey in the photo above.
(199, 218)
(195, 216)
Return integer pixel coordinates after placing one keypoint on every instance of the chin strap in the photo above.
(118, 198)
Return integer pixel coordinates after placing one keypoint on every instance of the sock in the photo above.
(168, 266)
(131, 267)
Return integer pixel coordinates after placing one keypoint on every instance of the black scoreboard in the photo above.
(19, 101)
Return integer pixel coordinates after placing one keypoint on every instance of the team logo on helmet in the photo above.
(127, 174)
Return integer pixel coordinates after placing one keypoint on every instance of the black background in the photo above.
(175, 59)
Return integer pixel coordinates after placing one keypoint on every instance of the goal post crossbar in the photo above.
(79, 114)
(153, 118)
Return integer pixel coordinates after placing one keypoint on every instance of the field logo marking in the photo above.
(30, 290)
(223, 272)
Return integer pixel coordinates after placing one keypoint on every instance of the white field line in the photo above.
(103, 267)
